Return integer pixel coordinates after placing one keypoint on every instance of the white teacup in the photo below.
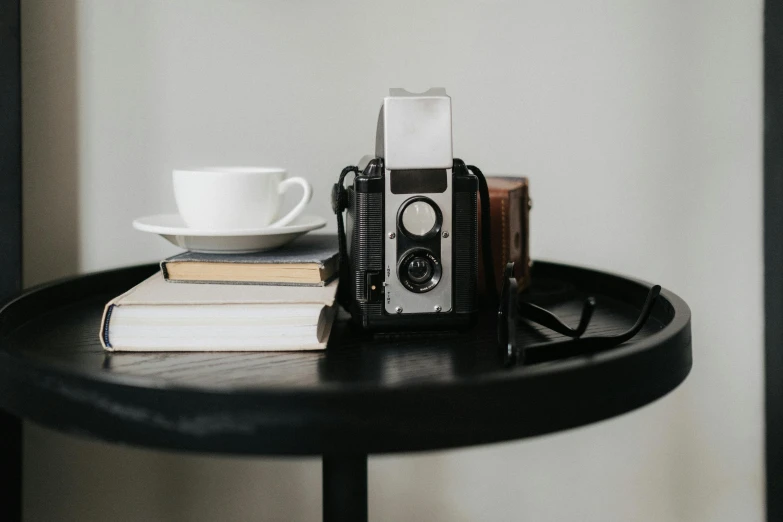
(223, 198)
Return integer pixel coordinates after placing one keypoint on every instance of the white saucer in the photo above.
(238, 241)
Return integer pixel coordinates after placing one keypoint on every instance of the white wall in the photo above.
(639, 124)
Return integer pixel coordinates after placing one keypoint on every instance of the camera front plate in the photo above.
(396, 296)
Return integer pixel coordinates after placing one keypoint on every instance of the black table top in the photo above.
(363, 394)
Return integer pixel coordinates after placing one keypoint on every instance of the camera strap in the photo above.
(339, 205)
(490, 283)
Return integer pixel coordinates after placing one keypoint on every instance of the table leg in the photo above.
(345, 488)
(11, 467)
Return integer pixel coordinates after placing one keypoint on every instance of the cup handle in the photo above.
(297, 210)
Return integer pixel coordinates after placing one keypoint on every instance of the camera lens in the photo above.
(419, 218)
(419, 269)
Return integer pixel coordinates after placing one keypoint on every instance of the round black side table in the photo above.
(362, 395)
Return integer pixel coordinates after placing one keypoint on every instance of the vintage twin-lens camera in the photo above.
(412, 222)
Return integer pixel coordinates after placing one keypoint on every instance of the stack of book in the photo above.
(278, 300)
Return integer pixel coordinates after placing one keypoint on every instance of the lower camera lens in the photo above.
(419, 269)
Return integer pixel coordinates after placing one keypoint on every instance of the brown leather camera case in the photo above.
(509, 206)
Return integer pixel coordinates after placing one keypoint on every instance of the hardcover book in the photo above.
(310, 260)
(157, 316)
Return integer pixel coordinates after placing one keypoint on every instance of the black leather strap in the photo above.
(339, 205)
(486, 238)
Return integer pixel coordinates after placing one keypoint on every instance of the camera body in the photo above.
(412, 222)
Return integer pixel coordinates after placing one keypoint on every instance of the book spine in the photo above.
(164, 269)
(105, 331)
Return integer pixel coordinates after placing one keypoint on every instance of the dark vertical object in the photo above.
(345, 488)
(10, 151)
(10, 235)
(773, 253)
